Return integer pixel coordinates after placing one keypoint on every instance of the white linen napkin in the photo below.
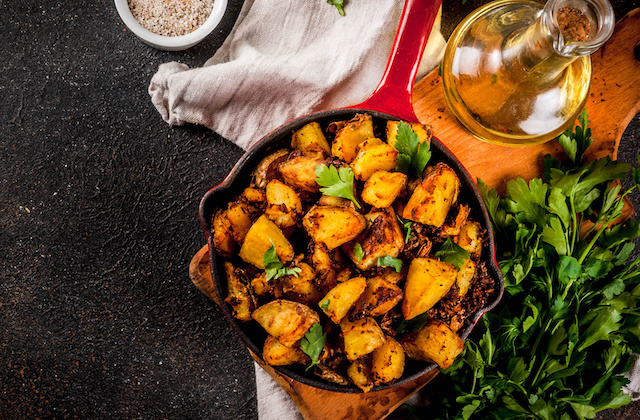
(284, 60)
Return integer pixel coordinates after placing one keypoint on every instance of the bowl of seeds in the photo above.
(171, 25)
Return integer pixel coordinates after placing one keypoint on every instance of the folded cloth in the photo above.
(283, 61)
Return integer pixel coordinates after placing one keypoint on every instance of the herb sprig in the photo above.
(557, 345)
(313, 342)
(274, 267)
(336, 183)
(413, 155)
(338, 4)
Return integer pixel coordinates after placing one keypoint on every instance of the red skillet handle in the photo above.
(394, 93)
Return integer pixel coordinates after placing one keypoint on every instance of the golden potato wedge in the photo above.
(222, 239)
(286, 320)
(384, 237)
(465, 277)
(258, 241)
(238, 295)
(433, 197)
(361, 337)
(238, 217)
(301, 288)
(424, 132)
(310, 140)
(333, 226)
(256, 201)
(275, 353)
(428, 280)
(284, 207)
(339, 301)
(326, 264)
(470, 237)
(267, 169)
(300, 172)
(387, 362)
(359, 373)
(382, 188)
(373, 155)
(434, 342)
(378, 298)
(354, 132)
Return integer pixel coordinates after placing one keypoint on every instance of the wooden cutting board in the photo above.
(614, 101)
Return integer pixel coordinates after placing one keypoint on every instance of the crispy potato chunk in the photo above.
(424, 132)
(329, 200)
(338, 302)
(354, 132)
(382, 188)
(384, 237)
(238, 295)
(286, 320)
(387, 362)
(433, 197)
(361, 337)
(310, 140)
(373, 155)
(222, 240)
(378, 298)
(326, 265)
(359, 373)
(428, 280)
(434, 342)
(284, 207)
(470, 237)
(267, 169)
(333, 226)
(301, 288)
(258, 241)
(300, 173)
(275, 353)
(465, 277)
(453, 228)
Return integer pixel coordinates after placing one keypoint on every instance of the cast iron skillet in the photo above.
(390, 101)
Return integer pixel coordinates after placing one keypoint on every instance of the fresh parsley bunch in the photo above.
(557, 345)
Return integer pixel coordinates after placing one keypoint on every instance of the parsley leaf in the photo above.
(389, 261)
(274, 267)
(413, 155)
(576, 140)
(452, 253)
(313, 342)
(358, 252)
(336, 183)
(406, 226)
(338, 4)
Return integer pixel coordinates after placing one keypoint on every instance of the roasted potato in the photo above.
(387, 362)
(359, 373)
(286, 320)
(470, 237)
(238, 295)
(465, 277)
(378, 298)
(433, 197)
(258, 240)
(333, 226)
(382, 188)
(383, 237)
(428, 280)
(424, 132)
(221, 237)
(311, 141)
(267, 169)
(361, 337)
(284, 207)
(301, 287)
(275, 353)
(434, 342)
(373, 155)
(339, 301)
(300, 172)
(354, 132)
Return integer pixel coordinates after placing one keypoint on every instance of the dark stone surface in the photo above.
(98, 223)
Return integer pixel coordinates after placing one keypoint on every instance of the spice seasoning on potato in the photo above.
(331, 213)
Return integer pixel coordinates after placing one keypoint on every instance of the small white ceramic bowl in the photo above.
(172, 43)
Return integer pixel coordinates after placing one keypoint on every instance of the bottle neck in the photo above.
(564, 31)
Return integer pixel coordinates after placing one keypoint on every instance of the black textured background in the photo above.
(98, 223)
